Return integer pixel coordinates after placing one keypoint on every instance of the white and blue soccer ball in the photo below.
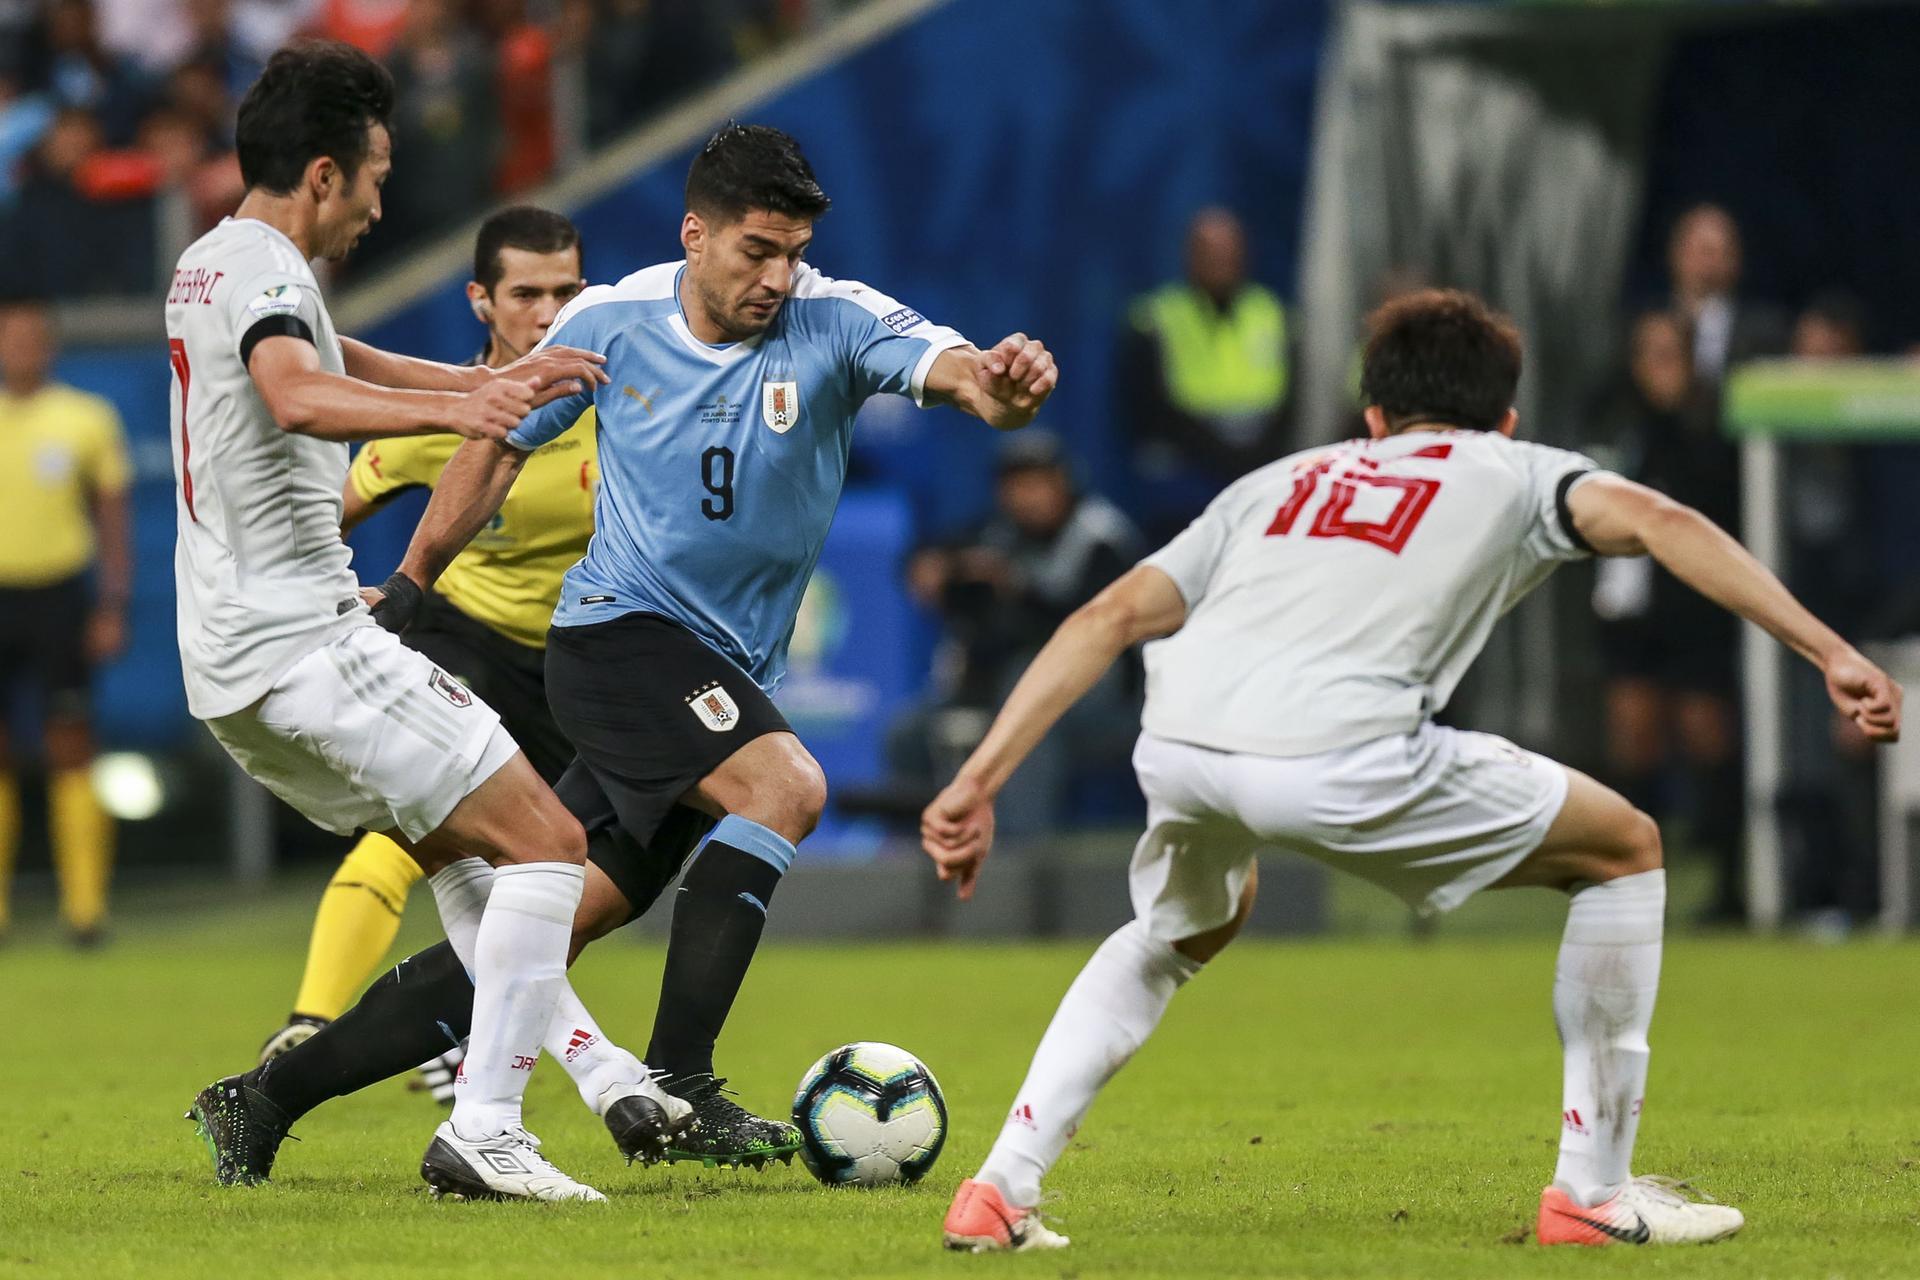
(869, 1114)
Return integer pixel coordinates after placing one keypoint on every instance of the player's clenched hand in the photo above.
(1019, 373)
(956, 830)
(559, 372)
(1865, 695)
(490, 411)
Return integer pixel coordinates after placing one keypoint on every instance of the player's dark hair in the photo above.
(523, 226)
(316, 98)
(753, 166)
(1441, 355)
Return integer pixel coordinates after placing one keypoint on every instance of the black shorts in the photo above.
(651, 709)
(509, 677)
(43, 645)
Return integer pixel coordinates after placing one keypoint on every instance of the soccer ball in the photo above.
(869, 1114)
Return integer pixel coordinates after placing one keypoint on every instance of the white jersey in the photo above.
(1338, 595)
(261, 572)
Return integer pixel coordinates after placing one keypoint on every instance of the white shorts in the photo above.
(365, 733)
(1431, 816)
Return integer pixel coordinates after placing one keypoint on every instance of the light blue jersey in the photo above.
(720, 467)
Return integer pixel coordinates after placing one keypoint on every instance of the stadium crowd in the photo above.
(116, 116)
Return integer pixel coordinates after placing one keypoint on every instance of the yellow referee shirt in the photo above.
(509, 575)
(58, 448)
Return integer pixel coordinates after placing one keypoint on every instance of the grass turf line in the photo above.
(1324, 1109)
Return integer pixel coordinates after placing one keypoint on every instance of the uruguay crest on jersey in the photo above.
(716, 708)
(780, 405)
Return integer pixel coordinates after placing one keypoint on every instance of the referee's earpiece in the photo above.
(482, 312)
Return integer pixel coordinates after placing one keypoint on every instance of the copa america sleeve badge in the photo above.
(780, 405)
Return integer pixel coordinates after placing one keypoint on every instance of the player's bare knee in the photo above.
(547, 833)
(1640, 848)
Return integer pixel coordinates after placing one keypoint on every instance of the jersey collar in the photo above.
(729, 353)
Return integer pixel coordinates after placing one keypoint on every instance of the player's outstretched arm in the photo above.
(1003, 386)
(554, 371)
(957, 828)
(306, 399)
(1620, 518)
(469, 493)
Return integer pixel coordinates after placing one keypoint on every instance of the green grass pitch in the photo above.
(1343, 1108)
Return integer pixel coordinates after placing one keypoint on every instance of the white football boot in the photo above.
(1648, 1210)
(507, 1167)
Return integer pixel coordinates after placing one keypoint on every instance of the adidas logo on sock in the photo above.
(580, 1042)
(1023, 1114)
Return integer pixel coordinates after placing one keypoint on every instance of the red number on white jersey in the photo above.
(1335, 520)
(177, 354)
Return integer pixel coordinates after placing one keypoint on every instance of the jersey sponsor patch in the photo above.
(902, 320)
(716, 708)
(281, 300)
(780, 405)
(449, 688)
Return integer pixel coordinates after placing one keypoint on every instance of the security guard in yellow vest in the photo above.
(65, 574)
(1204, 375)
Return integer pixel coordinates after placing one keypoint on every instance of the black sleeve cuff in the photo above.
(1565, 512)
(273, 327)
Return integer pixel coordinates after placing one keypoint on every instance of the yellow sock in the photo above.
(9, 842)
(358, 918)
(82, 847)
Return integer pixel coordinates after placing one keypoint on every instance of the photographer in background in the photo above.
(1000, 592)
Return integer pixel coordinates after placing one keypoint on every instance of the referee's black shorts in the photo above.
(651, 709)
(509, 677)
(43, 645)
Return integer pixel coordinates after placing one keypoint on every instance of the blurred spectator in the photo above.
(373, 25)
(78, 225)
(65, 575)
(1703, 257)
(1203, 376)
(1828, 808)
(24, 120)
(524, 79)
(1672, 655)
(188, 161)
(1000, 592)
(218, 46)
(642, 55)
(81, 72)
(446, 127)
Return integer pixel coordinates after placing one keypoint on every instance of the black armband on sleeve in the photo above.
(1565, 512)
(273, 327)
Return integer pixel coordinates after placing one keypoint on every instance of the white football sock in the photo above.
(460, 891)
(520, 965)
(573, 1038)
(1603, 993)
(1106, 1015)
(594, 1062)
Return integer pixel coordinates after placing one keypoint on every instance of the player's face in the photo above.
(532, 289)
(350, 206)
(742, 271)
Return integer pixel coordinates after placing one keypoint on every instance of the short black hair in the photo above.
(316, 98)
(1441, 355)
(753, 166)
(524, 226)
